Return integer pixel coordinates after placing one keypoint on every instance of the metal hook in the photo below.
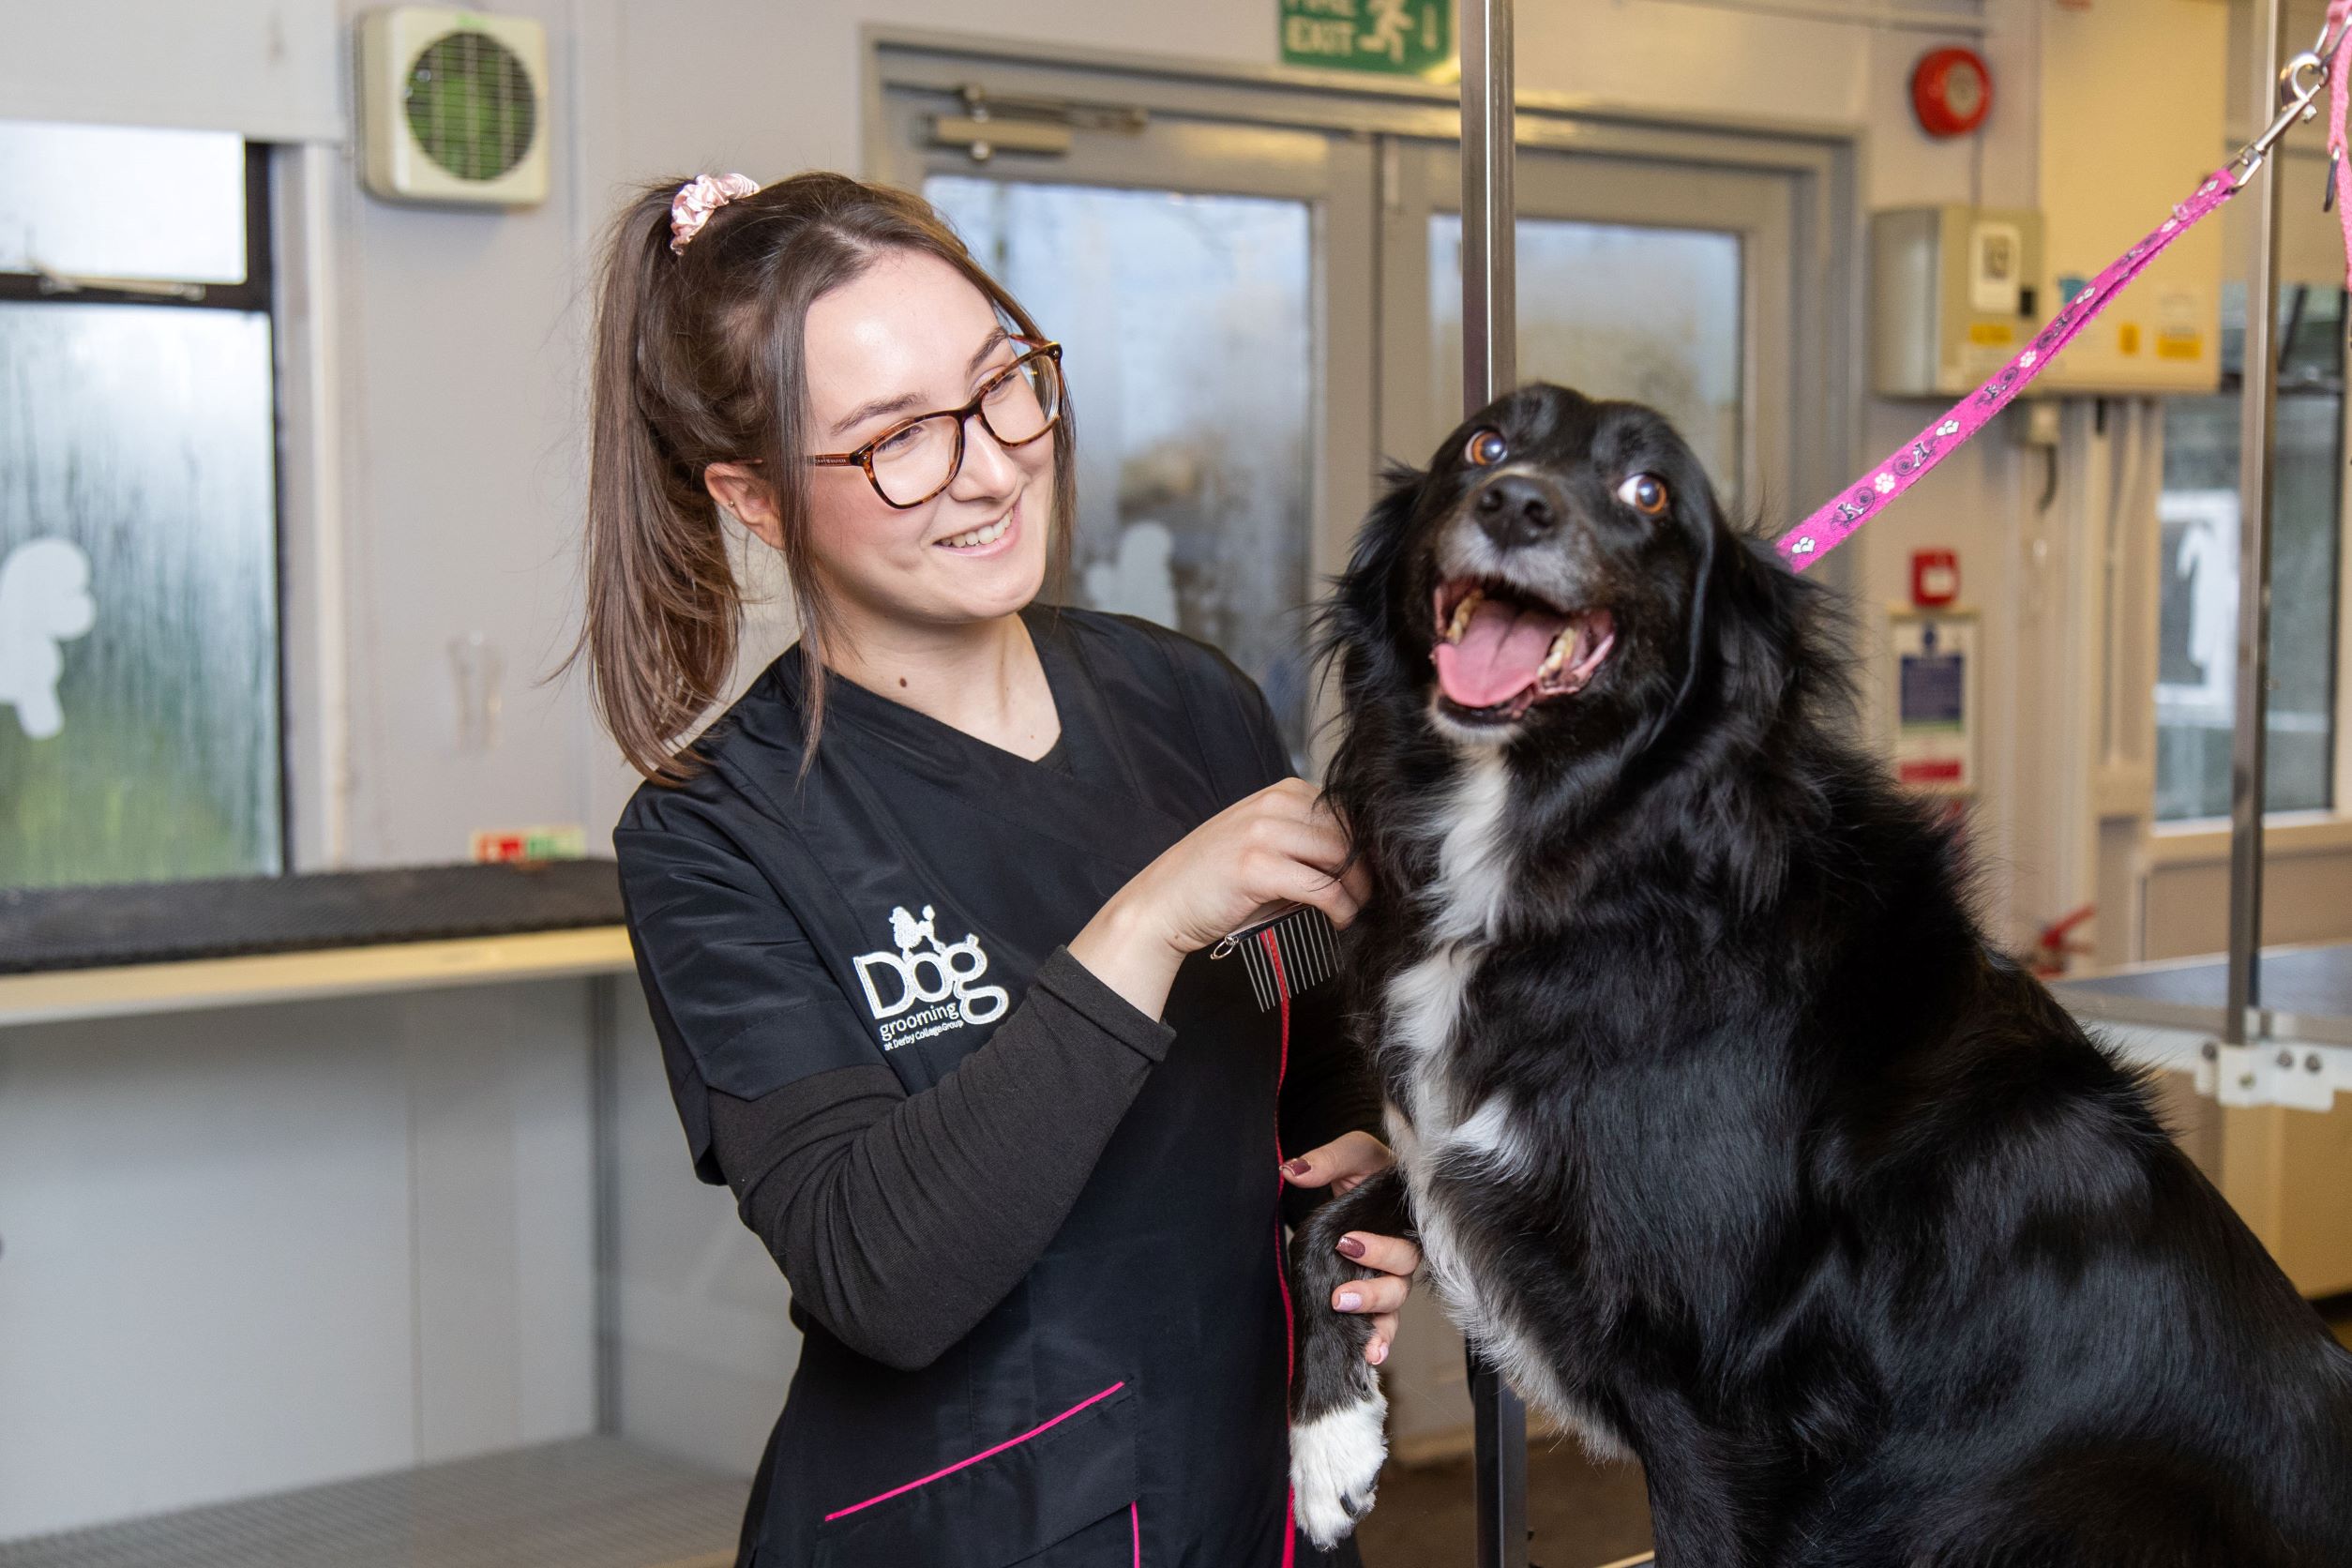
(2292, 92)
(2323, 46)
(2299, 100)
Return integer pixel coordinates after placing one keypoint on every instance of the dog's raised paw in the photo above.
(1335, 1464)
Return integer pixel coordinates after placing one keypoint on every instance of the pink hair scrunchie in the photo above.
(698, 199)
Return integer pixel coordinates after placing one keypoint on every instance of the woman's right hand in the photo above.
(1280, 846)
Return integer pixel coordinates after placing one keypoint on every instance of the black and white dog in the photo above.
(1725, 1133)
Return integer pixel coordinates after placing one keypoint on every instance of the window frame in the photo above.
(2299, 830)
(257, 295)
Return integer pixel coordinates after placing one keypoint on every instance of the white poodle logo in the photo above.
(928, 970)
(44, 600)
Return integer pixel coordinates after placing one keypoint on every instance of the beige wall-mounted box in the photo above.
(1955, 296)
(2132, 119)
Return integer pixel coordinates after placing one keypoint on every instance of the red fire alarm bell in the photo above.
(1952, 91)
(1934, 577)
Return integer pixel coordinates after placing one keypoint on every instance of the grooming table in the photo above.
(2169, 1015)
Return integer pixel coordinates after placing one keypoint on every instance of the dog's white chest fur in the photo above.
(1431, 1134)
(1425, 999)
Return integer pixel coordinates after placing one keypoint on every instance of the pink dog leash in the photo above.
(2305, 76)
(2339, 102)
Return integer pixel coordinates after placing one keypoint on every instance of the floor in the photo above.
(597, 1502)
(600, 1502)
(1581, 1515)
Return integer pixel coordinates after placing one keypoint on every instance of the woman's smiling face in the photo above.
(911, 336)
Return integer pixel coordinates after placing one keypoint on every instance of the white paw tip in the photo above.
(1335, 1465)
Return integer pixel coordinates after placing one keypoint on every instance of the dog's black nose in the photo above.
(1514, 511)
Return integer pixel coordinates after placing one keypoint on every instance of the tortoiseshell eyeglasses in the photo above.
(916, 458)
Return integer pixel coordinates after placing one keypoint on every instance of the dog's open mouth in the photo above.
(1500, 651)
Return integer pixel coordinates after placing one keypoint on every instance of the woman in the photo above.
(921, 917)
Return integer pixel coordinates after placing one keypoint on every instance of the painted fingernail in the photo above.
(1378, 1352)
(1350, 1248)
(1348, 1301)
(1295, 1168)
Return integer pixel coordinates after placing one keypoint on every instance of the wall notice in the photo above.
(1399, 38)
(1935, 703)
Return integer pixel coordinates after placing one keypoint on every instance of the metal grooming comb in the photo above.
(1303, 935)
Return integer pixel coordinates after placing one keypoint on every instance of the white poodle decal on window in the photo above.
(44, 600)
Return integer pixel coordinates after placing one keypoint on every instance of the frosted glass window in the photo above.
(113, 202)
(139, 686)
(1614, 311)
(2197, 624)
(1188, 340)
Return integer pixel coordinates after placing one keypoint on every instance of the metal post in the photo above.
(1498, 1433)
(1490, 340)
(2256, 437)
(1490, 285)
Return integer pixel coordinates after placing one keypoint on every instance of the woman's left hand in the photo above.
(1341, 1164)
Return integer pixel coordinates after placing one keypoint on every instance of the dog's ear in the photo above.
(1356, 642)
(1387, 525)
(1356, 610)
(1748, 618)
(1714, 558)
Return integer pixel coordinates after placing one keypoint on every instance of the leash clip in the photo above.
(2299, 99)
(2330, 41)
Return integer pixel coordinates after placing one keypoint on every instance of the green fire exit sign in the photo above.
(1403, 37)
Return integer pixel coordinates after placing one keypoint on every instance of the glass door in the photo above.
(1666, 282)
(1194, 272)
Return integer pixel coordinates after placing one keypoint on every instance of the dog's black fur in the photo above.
(1806, 1195)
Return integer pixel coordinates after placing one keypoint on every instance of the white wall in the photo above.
(705, 1350)
(456, 356)
(453, 342)
(268, 1246)
(269, 70)
(459, 362)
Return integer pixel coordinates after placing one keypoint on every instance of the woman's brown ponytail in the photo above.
(697, 360)
(663, 607)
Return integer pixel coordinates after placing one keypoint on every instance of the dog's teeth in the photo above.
(1562, 646)
(1462, 612)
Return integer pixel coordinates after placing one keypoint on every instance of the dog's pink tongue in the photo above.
(1499, 653)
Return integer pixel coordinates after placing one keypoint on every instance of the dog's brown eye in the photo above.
(1645, 494)
(1486, 449)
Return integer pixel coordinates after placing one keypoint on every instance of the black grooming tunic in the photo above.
(1031, 1234)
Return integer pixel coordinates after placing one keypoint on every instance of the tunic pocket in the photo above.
(1005, 1504)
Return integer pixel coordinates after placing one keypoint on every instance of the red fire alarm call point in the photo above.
(1934, 577)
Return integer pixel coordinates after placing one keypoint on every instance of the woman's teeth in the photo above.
(985, 534)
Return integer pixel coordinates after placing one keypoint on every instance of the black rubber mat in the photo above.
(147, 922)
(2314, 981)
